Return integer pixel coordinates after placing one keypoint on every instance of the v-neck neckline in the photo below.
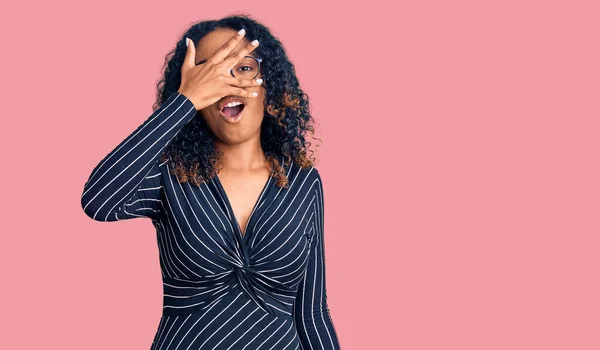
(261, 197)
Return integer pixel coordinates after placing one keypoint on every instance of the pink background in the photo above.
(460, 166)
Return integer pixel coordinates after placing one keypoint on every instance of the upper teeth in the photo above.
(233, 104)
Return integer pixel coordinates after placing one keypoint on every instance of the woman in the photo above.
(221, 169)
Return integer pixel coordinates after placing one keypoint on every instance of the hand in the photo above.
(211, 81)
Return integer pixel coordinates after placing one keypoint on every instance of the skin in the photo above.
(245, 168)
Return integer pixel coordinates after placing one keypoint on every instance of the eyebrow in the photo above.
(250, 54)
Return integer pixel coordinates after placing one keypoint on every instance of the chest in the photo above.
(200, 232)
(242, 195)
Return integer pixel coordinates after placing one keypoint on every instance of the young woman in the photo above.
(221, 169)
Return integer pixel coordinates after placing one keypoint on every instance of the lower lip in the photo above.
(235, 119)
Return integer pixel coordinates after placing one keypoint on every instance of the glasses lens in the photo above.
(247, 68)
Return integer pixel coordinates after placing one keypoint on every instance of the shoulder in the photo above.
(307, 179)
(309, 173)
(313, 177)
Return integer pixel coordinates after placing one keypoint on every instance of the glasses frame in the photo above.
(257, 59)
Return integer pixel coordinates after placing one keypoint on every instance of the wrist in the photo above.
(187, 96)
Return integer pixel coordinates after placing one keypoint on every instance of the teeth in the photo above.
(233, 104)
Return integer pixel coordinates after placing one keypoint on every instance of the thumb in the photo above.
(190, 54)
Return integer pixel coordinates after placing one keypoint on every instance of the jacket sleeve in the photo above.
(126, 184)
(311, 312)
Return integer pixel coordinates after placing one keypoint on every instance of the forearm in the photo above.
(118, 176)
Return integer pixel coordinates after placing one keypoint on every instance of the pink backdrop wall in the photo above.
(460, 166)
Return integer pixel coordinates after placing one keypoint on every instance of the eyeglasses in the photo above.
(247, 68)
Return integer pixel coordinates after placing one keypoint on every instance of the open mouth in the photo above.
(232, 111)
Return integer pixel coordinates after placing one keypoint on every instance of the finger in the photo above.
(234, 58)
(243, 82)
(227, 48)
(190, 54)
(242, 92)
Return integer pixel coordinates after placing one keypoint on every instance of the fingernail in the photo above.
(254, 42)
(254, 93)
(242, 31)
(187, 42)
(259, 81)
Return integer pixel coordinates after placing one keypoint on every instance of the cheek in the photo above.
(257, 107)
(209, 119)
(204, 114)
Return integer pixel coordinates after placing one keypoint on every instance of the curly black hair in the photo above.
(287, 118)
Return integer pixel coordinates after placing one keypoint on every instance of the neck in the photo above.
(247, 156)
